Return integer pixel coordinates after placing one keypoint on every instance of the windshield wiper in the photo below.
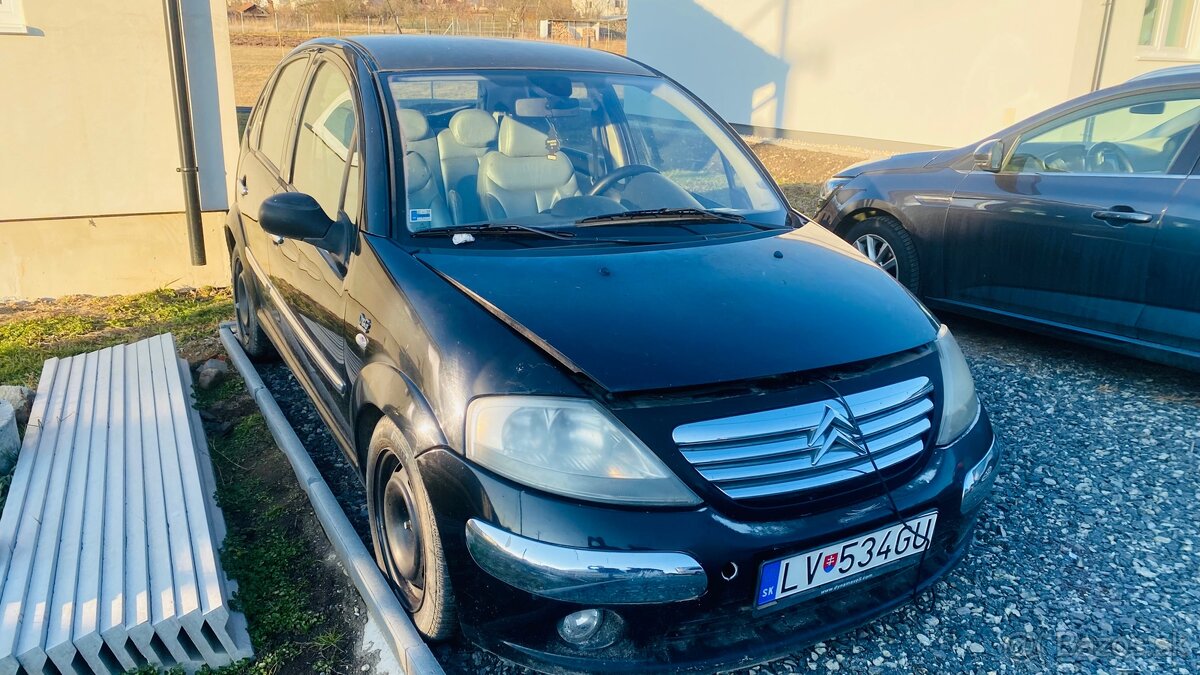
(665, 215)
(492, 228)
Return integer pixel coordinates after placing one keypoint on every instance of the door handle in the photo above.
(242, 186)
(277, 240)
(1118, 216)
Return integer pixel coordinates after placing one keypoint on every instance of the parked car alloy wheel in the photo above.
(885, 242)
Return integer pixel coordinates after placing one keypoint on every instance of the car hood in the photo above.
(657, 318)
(907, 160)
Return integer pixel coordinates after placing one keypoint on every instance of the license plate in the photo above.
(816, 570)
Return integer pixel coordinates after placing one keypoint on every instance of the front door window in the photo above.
(1137, 135)
(326, 166)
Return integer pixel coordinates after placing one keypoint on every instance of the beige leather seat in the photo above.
(522, 177)
(426, 208)
(414, 127)
(471, 135)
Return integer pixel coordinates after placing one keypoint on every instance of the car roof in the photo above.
(439, 52)
(1192, 69)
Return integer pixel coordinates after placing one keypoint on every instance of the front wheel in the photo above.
(408, 546)
(885, 242)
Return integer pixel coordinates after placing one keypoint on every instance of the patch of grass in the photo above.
(269, 563)
(31, 334)
(267, 551)
(328, 648)
(231, 386)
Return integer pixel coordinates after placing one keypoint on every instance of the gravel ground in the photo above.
(317, 439)
(1085, 560)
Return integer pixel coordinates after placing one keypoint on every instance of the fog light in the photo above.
(590, 628)
(979, 478)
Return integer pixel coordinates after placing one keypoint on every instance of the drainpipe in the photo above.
(187, 135)
(1102, 48)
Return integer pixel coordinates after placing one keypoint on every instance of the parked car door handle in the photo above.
(242, 186)
(277, 240)
(1119, 216)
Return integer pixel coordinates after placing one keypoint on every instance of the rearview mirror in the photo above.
(989, 156)
(1152, 108)
(542, 107)
(298, 216)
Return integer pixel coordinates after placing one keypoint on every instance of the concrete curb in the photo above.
(410, 650)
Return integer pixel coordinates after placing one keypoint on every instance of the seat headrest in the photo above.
(416, 171)
(518, 139)
(474, 128)
(413, 124)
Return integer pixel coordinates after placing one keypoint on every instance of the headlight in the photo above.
(959, 403)
(831, 186)
(571, 447)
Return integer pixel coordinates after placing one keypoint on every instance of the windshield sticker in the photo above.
(420, 215)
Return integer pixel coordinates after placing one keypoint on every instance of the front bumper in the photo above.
(534, 558)
(585, 576)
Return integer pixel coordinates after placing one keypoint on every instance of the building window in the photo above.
(12, 17)
(1167, 27)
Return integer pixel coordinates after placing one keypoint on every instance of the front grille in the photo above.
(810, 446)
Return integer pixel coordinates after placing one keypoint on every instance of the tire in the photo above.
(414, 561)
(893, 248)
(250, 333)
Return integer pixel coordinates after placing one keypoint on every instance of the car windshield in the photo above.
(555, 150)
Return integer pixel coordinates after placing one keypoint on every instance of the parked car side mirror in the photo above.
(298, 216)
(989, 156)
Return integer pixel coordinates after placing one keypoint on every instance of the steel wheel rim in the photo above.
(878, 251)
(241, 303)
(399, 530)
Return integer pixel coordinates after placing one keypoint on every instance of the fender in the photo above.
(866, 199)
(382, 386)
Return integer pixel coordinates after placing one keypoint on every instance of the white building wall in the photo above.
(900, 71)
(87, 123)
(90, 199)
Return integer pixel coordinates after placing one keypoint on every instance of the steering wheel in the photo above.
(1105, 152)
(617, 175)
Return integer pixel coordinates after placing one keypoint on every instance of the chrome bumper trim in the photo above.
(978, 481)
(582, 575)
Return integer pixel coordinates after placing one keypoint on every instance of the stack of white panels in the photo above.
(109, 537)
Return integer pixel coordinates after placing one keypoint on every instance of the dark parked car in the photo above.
(615, 406)
(1082, 221)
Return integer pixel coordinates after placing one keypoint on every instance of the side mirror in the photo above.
(296, 215)
(989, 156)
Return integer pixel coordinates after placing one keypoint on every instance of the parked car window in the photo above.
(1142, 134)
(681, 150)
(324, 160)
(532, 146)
(278, 111)
(434, 97)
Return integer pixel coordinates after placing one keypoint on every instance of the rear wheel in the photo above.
(408, 546)
(250, 334)
(885, 242)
